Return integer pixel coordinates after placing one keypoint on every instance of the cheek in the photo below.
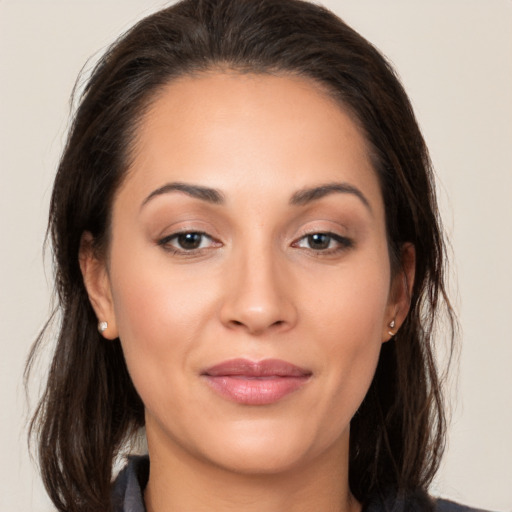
(348, 319)
(152, 298)
(158, 314)
(351, 305)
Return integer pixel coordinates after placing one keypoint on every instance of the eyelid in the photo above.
(330, 234)
(180, 225)
(335, 236)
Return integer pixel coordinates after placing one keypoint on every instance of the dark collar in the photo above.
(128, 494)
(128, 490)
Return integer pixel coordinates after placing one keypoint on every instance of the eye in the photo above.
(324, 242)
(187, 241)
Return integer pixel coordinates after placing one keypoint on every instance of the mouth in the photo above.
(255, 383)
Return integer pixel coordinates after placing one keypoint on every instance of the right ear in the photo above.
(97, 284)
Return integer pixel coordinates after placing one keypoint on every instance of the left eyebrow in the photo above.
(306, 195)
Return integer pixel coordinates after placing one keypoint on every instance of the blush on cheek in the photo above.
(163, 315)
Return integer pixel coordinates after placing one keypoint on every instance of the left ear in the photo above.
(400, 292)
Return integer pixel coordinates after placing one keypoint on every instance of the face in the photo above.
(248, 275)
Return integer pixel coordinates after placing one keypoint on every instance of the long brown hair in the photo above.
(90, 408)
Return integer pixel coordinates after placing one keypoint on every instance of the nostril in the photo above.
(253, 327)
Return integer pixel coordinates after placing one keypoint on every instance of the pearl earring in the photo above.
(391, 326)
(102, 326)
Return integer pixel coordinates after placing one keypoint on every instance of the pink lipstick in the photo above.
(255, 383)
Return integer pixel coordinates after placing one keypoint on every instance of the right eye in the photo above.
(187, 242)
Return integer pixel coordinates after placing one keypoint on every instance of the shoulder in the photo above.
(443, 505)
(414, 501)
(128, 487)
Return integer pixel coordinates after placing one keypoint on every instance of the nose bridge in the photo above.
(258, 294)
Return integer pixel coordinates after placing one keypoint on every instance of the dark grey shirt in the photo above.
(129, 488)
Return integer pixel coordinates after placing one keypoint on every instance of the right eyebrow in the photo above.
(207, 194)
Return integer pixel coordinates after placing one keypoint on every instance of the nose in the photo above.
(258, 296)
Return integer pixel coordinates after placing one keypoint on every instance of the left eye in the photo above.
(188, 241)
(323, 241)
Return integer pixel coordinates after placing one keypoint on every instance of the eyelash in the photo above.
(166, 243)
(342, 243)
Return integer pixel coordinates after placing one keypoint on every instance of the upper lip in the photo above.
(264, 368)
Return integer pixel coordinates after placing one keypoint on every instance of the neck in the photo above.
(179, 482)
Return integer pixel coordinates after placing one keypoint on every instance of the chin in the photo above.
(261, 449)
(259, 460)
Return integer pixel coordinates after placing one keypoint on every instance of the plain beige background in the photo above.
(455, 59)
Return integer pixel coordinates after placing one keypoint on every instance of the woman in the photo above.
(249, 266)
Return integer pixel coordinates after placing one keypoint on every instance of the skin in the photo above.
(257, 288)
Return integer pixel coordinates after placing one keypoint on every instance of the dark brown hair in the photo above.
(90, 408)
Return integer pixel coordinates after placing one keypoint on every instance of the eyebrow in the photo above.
(299, 198)
(207, 194)
(307, 195)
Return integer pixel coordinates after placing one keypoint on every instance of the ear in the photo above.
(97, 284)
(400, 292)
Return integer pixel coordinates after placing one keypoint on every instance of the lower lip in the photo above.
(255, 390)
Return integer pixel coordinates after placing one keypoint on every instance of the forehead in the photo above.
(226, 130)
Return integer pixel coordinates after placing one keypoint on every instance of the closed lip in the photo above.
(255, 382)
(264, 368)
